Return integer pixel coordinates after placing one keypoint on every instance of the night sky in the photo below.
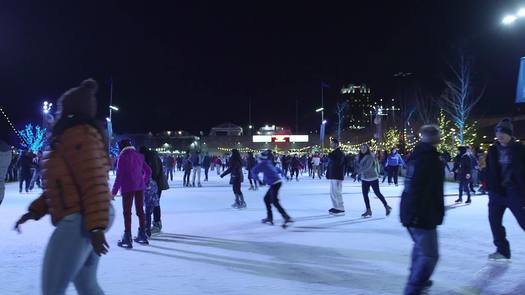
(192, 65)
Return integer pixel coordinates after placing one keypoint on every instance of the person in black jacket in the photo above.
(336, 173)
(463, 172)
(25, 162)
(422, 207)
(250, 163)
(236, 178)
(206, 163)
(505, 174)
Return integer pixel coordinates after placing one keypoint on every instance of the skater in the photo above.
(271, 177)
(286, 160)
(296, 166)
(335, 173)
(206, 163)
(25, 162)
(5, 156)
(393, 162)
(236, 178)
(76, 195)
(506, 186)
(154, 191)
(196, 160)
(316, 165)
(186, 166)
(250, 163)
(463, 170)
(169, 163)
(422, 208)
(35, 179)
(132, 175)
(368, 171)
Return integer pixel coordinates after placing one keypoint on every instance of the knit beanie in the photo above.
(79, 100)
(430, 134)
(505, 126)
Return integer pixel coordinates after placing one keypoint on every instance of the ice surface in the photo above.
(209, 248)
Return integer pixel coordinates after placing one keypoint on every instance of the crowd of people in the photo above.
(75, 171)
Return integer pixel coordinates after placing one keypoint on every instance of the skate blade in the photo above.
(337, 214)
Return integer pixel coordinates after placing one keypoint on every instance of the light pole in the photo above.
(110, 124)
(322, 129)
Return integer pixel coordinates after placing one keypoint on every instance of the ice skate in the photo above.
(268, 221)
(468, 201)
(336, 212)
(141, 237)
(126, 241)
(459, 201)
(287, 222)
(388, 210)
(157, 227)
(367, 214)
(235, 205)
(496, 256)
(200, 185)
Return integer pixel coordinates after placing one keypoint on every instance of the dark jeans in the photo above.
(393, 172)
(186, 177)
(464, 187)
(25, 176)
(253, 182)
(425, 256)
(127, 203)
(295, 171)
(169, 173)
(156, 210)
(285, 172)
(206, 170)
(513, 200)
(237, 188)
(365, 186)
(272, 197)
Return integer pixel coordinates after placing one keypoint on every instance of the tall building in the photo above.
(360, 105)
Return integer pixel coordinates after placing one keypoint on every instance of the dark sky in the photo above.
(191, 65)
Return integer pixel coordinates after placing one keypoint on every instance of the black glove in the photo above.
(29, 215)
(98, 240)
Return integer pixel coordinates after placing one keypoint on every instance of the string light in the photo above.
(11, 124)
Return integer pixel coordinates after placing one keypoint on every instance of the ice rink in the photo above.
(209, 248)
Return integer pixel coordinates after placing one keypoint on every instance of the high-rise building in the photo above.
(360, 105)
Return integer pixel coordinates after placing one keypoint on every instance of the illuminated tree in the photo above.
(391, 139)
(33, 140)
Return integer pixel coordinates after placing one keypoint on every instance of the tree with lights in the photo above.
(450, 140)
(340, 111)
(460, 97)
(33, 140)
(391, 139)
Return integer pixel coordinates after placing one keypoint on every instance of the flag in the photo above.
(520, 91)
(324, 85)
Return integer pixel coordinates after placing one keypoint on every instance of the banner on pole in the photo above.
(520, 92)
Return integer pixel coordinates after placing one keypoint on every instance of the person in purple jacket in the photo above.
(132, 176)
(270, 176)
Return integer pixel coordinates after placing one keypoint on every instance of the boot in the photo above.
(459, 200)
(468, 201)
(367, 214)
(388, 210)
(242, 203)
(126, 241)
(268, 221)
(157, 226)
(287, 221)
(141, 237)
(148, 232)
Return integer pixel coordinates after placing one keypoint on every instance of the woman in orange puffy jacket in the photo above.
(76, 195)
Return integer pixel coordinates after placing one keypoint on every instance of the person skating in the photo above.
(463, 170)
(422, 208)
(236, 178)
(336, 175)
(271, 177)
(196, 160)
(393, 162)
(25, 162)
(153, 191)
(35, 179)
(505, 174)
(186, 166)
(169, 163)
(132, 176)
(206, 163)
(296, 166)
(316, 165)
(76, 195)
(368, 171)
(250, 163)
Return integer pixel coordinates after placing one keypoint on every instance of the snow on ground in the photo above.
(209, 248)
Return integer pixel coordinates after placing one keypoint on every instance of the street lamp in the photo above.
(46, 116)
(521, 12)
(114, 108)
(319, 110)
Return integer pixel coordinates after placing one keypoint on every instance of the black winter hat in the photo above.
(430, 134)
(505, 126)
(79, 100)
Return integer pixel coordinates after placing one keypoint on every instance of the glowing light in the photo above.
(319, 110)
(521, 12)
(509, 19)
(113, 108)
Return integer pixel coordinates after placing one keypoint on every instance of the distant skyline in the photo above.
(190, 66)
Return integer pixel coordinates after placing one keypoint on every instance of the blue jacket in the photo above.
(271, 173)
(395, 160)
(195, 160)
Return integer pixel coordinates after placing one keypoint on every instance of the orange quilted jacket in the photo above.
(75, 178)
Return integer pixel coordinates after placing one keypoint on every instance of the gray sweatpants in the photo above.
(70, 258)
